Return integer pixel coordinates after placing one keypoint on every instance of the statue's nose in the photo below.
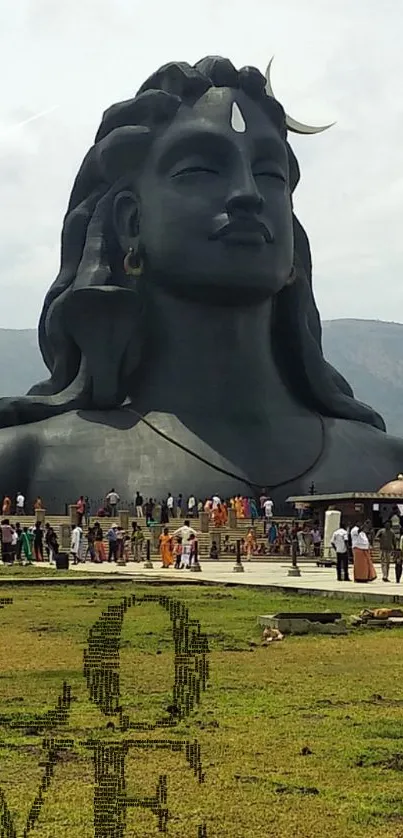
(247, 200)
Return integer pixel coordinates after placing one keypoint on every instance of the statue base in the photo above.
(238, 568)
(294, 571)
(148, 564)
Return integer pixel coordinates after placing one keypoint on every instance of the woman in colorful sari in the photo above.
(239, 507)
(250, 544)
(272, 535)
(246, 507)
(165, 542)
(6, 507)
(27, 540)
(364, 570)
(253, 510)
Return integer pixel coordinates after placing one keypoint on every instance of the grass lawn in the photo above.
(300, 739)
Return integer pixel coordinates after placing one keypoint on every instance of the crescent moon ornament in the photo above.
(292, 124)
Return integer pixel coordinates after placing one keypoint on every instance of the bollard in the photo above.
(148, 563)
(294, 569)
(195, 565)
(238, 567)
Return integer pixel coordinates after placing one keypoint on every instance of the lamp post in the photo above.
(294, 569)
(195, 565)
(238, 566)
(148, 563)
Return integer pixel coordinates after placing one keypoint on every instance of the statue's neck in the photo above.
(210, 358)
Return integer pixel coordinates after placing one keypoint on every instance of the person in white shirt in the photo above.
(353, 534)
(170, 505)
(20, 504)
(340, 545)
(191, 505)
(112, 500)
(75, 545)
(184, 532)
(216, 501)
(364, 570)
(268, 513)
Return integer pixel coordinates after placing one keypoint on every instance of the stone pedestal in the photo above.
(204, 522)
(124, 519)
(232, 519)
(294, 571)
(65, 536)
(73, 515)
(40, 515)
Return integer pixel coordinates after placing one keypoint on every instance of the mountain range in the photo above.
(368, 353)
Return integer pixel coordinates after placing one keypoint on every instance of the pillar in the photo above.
(204, 521)
(232, 519)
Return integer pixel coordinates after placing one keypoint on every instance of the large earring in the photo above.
(129, 268)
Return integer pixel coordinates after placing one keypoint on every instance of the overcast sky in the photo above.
(339, 60)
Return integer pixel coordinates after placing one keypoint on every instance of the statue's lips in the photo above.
(243, 232)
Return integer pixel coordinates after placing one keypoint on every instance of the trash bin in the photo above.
(62, 561)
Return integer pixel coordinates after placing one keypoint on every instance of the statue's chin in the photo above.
(228, 289)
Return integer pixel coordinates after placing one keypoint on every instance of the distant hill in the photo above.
(369, 353)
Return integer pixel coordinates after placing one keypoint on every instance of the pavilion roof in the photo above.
(377, 497)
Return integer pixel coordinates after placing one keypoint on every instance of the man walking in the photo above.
(20, 504)
(387, 543)
(339, 543)
(75, 546)
(139, 505)
(112, 537)
(170, 505)
(112, 500)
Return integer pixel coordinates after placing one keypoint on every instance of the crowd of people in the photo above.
(156, 512)
(28, 544)
(179, 549)
(353, 545)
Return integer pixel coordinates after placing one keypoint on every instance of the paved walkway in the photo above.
(274, 576)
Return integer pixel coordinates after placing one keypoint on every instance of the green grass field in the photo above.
(298, 740)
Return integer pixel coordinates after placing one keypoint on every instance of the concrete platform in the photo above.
(313, 581)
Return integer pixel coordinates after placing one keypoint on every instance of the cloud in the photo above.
(334, 61)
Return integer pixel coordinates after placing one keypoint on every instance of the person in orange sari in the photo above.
(165, 542)
(6, 508)
(250, 544)
(239, 507)
(219, 516)
(364, 570)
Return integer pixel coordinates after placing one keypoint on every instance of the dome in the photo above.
(395, 487)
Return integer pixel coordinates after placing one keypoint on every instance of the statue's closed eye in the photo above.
(191, 170)
(270, 174)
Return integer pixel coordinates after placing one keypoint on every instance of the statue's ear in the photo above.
(126, 217)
